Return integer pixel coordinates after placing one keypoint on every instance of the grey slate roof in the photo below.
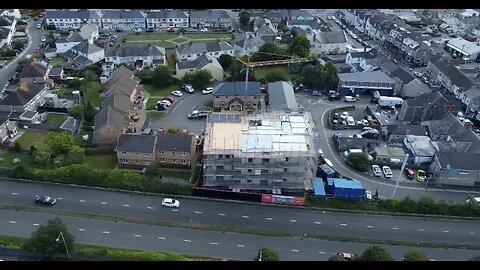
(249, 43)
(122, 80)
(136, 143)
(87, 30)
(455, 75)
(29, 114)
(86, 48)
(64, 14)
(332, 37)
(417, 130)
(404, 76)
(144, 50)
(120, 14)
(120, 102)
(34, 69)
(237, 89)
(173, 142)
(266, 30)
(110, 115)
(5, 21)
(69, 124)
(369, 76)
(209, 15)
(459, 161)
(167, 14)
(203, 47)
(451, 146)
(4, 32)
(414, 89)
(312, 23)
(56, 71)
(430, 104)
(368, 54)
(281, 96)
(22, 94)
(197, 63)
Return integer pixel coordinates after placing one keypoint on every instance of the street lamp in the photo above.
(64, 243)
(400, 175)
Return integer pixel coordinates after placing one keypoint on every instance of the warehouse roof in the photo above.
(369, 76)
(345, 183)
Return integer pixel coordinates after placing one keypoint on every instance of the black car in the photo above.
(160, 107)
(45, 200)
(334, 97)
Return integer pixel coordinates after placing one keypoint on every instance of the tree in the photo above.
(162, 76)
(145, 75)
(17, 147)
(198, 79)
(476, 258)
(375, 253)
(359, 161)
(269, 51)
(267, 254)
(75, 83)
(244, 18)
(18, 45)
(76, 111)
(276, 75)
(225, 61)
(44, 239)
(300, 46)
(331, 79)
(59, 143)
(153, 171)
(76, 155)
(42, 158)
(89, 113)
(22, 64)
(237, 74)
(414, 255)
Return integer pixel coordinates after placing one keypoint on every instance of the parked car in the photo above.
(160, 107)
(387, 171)
(47, 200)
(165, 103)
(187, 88)
(475, 200)
(344, 115)
(418, 74)
(409, 173)
(376, 170)
(421, 175)
(39, 25)
(43, 39)
(204, 30)
(207, 91)
(334, 96)
(177, 93)
(169, 202)
(171, 99)
(171, 30)
(425, 80)
(349, 99)
(316, 93)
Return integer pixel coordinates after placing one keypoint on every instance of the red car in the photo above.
(171, 30)
(217, 30)
(409, 173)
(38, 49)
(171, 99)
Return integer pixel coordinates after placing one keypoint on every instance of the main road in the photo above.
(200, 242)
(247, 216)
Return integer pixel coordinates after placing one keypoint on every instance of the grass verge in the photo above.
(55, 119)
(163, 44)
(155, 115)
(104, 161)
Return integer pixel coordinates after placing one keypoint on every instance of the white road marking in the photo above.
(161, 238)
(343, 224)
(137, 235)
(103, 203)
(126, 205)
(245, 217)
(213, 243)
(318, 222)
(14, 193)
(321, 252)
(13, 221)
(188, 241)
(269, 218)
(149, 207)
(82, 200)
(394, 228)
(198, 212)
(81, 229)
(240, 246)
(471, 232)
(175, 210)
(59, 198)
(293, 220)
(421, 230)
(36, 224)
(446, 231)
(369, 226)
(105, 232)
(295, 250)
(221, 214)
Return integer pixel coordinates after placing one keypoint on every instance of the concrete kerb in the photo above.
(254, 203)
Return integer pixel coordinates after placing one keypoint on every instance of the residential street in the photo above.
(253, 216)
(199, 242)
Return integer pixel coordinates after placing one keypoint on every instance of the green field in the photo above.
(208, 36)
(261, 72)
(25, 159)
(93, 90)
(163, 44)
(55, 119)
(155, 115)
(151, 102)
(160, 91)
(56, 62)
(154, 36)
(32, 137)
(105, 161)
(180, 39)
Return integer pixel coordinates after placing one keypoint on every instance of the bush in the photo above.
(359, 161)
(267, 254)
(17, 147)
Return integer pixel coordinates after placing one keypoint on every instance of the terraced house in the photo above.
(211, 50)
(123, 20)
(167, 18)
(210, 19)
(72, 19)
(144, 56)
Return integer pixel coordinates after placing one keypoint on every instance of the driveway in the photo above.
(34, 36)
(176, 116)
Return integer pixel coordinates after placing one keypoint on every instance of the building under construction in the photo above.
(268, 152)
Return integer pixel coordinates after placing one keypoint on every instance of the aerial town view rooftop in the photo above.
(240, 135)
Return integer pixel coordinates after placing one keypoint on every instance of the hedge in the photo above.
(138, 255)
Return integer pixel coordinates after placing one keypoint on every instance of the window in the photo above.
(287, 159)
(174, 161)
(227, 156)
(184, 162)
(250, 160)
(249, 180)
(285, 169)
(265, 160)
(258, 172)
(220, 156)
(173, 153)
(264, 171)
(284, 179)
(124, 160)
(255, 97)
(162, 160)
(249, 170)
(136, 161)
(146, 155)
(124, 153)
(220, 177)
(162, 152)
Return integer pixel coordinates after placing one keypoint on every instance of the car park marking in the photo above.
(188, 241)
(446, 231)
(126, 205)
(105, 232)
(198, 212)
(81, 229)
(421, 230)
(36, 224)
(221, 214)
(14, 193)
(149, 207)
(471, 232)
(269, 218)
(318, 222)
(137, 235)
(82, 201)
(293, 220)
(213, 243)
(343, 224)
(104, 203)
(321, 252)
(59, 198)
(369, 226)
(242, 246)
(295, 250)
(245, 217)
(394, 228)
(161, 238)
(13, 221)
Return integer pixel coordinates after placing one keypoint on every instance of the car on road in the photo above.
(169, 202)
(47, 200)
(188, 88)
(349, 99)
(43, 39)
(418, 74)
(376, 170)
(409, 173)
(316, 93)
(171, 99)
(387, 171)
(170, 30)
(207, 91)
(421, 175)
(347, 256)
(177, 93)
(475, 200)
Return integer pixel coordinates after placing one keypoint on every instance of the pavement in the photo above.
(251, 216)
(200, 242)
(34, 36)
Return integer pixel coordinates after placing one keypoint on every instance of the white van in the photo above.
(349, 99)
(475, 200)
(350, 151)
(350, 120)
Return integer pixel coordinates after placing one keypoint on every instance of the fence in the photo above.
(225, 194)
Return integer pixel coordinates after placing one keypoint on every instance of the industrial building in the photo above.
(268, 152)
(364, 83)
